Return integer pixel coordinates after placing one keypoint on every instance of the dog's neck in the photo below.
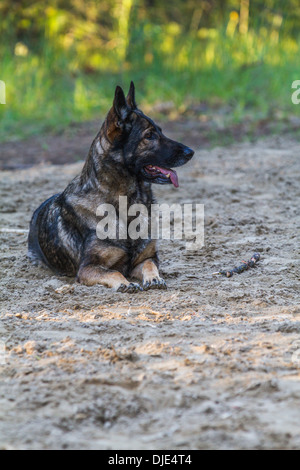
(104, 171)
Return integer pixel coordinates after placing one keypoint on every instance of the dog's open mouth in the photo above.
(161, 175)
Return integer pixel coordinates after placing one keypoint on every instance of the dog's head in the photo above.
(146, 152)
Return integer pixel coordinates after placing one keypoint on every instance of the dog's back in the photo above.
(50, 242)
(35, 254)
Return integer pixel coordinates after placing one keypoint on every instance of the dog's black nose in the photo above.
(188, 153)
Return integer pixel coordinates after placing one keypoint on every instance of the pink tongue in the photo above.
(173, 175)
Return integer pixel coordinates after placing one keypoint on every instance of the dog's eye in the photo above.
(149, 135)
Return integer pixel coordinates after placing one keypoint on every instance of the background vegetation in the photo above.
(61, 60)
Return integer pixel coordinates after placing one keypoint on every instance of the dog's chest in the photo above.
(124, 217)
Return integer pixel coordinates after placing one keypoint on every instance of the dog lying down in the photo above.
(128, 154)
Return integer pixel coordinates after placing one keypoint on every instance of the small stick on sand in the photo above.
(243, 267)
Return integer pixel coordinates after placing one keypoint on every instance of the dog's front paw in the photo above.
(130, 288)
(155, 283)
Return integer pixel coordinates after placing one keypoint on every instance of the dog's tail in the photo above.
(35, 253)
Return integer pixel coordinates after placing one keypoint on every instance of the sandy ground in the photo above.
(211, 363)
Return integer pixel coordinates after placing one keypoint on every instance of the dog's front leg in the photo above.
(100, 265)
(90, 275)
(147, 272)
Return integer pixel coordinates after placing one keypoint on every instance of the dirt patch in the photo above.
(198, 130)
(209, 363)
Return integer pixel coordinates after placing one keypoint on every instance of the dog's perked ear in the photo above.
(120, 105)
(116, 120)
(130, 98)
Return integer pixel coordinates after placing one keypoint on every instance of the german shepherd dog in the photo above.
(128, 154)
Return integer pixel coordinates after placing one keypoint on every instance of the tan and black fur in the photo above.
(63, 229)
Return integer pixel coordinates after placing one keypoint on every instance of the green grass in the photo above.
(251, 74)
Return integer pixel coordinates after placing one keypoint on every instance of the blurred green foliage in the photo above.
(61, 60)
